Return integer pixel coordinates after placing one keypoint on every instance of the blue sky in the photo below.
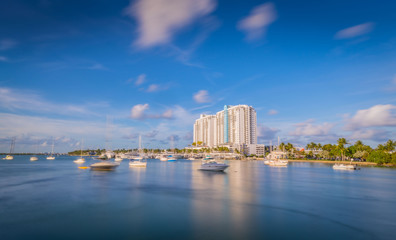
(314, 70)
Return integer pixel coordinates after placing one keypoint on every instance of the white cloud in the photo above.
(97, 66)
(153, 88)
(355, 31)
(376, 116)
(19, 125)
(202, 96)
(308, 128)
(6, 44)
(255, 25)
(370, 134)
(272, 112)
(15, 99)
(159, 20)
(140, 80)
(168, 114)
(266, 133)
(139, 112)
(3, 59)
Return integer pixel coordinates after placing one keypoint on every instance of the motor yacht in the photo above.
(33, 158)
(278, 163)
(104, 166)
(137, 164)
(344, 166)
(209, 164)
(171, 158)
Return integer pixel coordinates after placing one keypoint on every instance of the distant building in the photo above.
(234, 126)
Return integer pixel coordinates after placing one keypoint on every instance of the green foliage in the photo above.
(379, 157)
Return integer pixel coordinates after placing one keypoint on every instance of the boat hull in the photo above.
(80, 160)
(213, 167)
(138, 164)
(104, 166)
(344, 167)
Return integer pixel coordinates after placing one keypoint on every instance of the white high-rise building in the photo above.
(205, 130)
(235, 125)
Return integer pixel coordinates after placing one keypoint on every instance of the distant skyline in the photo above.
(313, 70)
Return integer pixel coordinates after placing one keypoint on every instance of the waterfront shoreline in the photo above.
(329, 161)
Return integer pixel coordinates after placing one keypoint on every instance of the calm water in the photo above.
(173, 200)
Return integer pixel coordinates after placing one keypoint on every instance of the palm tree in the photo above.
(341, 146)
(390, 145)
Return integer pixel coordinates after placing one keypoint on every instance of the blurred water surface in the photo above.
(173, 200)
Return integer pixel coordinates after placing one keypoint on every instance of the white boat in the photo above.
(51, 157)
(137, 161)
(171, 158)
(33, 158)
(163, 158)
(267, 162)
(81, 159)
(278, 163)
(210, 164)
(104, 166)
(118, 158)
(344, 166)
(137, 164)
(8, 157)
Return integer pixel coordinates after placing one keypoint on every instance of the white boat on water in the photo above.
(209, 164)
(118, 158)
(51, 157)
(104, 166)
(80, 160)
(163, 158)
(344, 166)
(137, 161)
(137, 164)
(33, 158)
(278, 163)
(8, 157)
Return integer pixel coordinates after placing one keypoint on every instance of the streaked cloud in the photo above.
(16, 99)
(3, 59)
(140, 79)
(355, 31)
(255, 25)
(376, 116)
(273, 112)
(202, 96)
(159, 20)
(308, 128)
(6, 44)
(153, 88)
(97, 66)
